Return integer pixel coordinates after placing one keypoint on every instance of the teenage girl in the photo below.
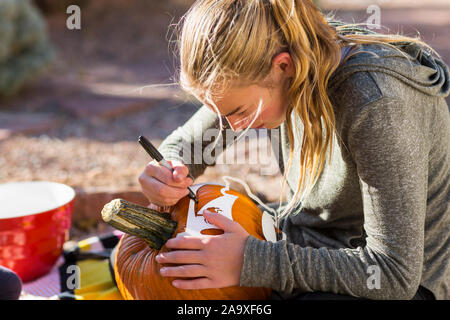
(364, 132)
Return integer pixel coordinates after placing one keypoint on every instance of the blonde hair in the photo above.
(235, 40)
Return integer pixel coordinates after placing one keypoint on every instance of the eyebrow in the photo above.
(233, 112)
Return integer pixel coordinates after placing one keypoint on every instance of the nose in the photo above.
(239, 126)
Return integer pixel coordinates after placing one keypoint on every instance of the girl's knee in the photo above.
(11, 285)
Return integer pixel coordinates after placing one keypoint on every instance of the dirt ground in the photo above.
(78, 122)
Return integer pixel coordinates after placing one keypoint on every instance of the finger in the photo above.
(164, 208)
(165, 191)
(180, 172)
(219, 220)
(195, 284)
(165, 176)
(185, 271)
(159, 172)
(185, 242)
(181, 256)
(159, 193)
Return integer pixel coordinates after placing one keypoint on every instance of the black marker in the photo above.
(155, 154)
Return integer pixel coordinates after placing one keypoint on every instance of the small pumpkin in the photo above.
(137, 272)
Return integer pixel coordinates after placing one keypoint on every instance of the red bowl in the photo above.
(35, 220)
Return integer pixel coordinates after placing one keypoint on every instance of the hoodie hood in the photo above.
(410, 64)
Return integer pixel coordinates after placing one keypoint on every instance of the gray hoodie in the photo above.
(376, 224)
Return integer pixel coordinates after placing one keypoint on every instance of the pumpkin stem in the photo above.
(152, 226)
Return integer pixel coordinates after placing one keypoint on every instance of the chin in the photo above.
(271, 126)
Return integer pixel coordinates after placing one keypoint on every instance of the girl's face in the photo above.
(239, 105)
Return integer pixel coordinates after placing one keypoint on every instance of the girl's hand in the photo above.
(162, 187)
(212, 261)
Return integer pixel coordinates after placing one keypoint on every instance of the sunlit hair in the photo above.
(233, 42)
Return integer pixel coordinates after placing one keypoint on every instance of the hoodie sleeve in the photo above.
(193, 143)
(388, 143)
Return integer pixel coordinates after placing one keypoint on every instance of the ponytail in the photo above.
(315, 55)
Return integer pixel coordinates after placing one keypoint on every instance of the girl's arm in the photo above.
(188, 143)
(388, 142)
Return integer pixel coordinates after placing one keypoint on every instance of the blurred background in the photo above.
(74, 101)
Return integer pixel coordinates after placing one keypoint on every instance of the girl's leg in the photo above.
(311, 296)
(421, 294)
(10, 284)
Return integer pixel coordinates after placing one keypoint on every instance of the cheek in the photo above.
(273, 114)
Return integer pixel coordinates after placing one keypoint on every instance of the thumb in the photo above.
(219, 220)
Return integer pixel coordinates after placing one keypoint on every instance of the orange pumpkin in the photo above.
(137, 272)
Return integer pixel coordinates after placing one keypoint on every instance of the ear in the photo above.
(282, 62)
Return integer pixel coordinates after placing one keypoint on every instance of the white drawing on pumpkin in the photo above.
(196, 223)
